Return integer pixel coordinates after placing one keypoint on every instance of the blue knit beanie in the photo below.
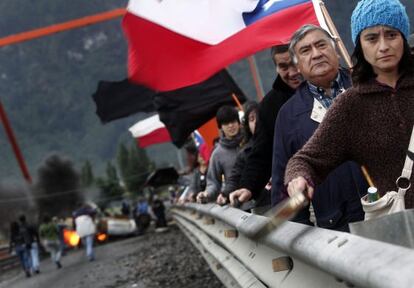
(370, 13)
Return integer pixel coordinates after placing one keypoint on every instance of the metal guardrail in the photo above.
(224, 265)
(296, 255)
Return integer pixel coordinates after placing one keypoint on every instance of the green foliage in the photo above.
(135, 167)
(87, 178)
(122, 160)
(110, 187)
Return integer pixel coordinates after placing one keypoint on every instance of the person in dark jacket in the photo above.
(18, 242)
(258, 168)
(248, 128)
(159, 211)
(199, 179)
(32, 239)
(337, 199)
(142, 215)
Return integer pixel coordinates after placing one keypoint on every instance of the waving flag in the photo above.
(182, 110)
(177, 43)
(150, 131)
(186, 109)
(120, 99)
(201, 145)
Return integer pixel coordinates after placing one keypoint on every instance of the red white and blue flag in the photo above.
(150, 131)
(201, 145)
(177, 43)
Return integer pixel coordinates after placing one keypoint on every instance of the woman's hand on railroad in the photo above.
(202, 197)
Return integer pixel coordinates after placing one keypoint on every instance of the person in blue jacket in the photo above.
(337, 199)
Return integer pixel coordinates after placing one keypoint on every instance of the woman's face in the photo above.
(252, 121)
(383, 48)
(201, 160)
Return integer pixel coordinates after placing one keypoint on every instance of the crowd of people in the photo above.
(27, 239)
(321, 123)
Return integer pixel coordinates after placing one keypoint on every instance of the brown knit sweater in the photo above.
(370, 124)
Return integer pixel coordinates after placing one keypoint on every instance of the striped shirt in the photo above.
(337, 87)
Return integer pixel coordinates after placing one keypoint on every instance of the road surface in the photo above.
(165, 259)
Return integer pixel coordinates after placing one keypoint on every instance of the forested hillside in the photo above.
(46, 84)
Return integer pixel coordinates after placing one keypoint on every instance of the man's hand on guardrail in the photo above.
(300, 184)
(222, 200)
(202, 197)
(242, 195)
(190, 197)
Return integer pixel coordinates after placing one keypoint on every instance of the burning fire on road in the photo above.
(72, 239)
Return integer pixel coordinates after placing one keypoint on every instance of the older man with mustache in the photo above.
(336, 202)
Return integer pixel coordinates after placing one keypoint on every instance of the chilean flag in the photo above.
(177, 43)
(150, 131)
(201, 145)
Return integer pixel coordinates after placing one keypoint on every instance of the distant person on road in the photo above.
(125, 208)
(32, 240)
(158, 209)
(173, 194)
(61, 228)
(142, 216)
(22, 250)
(85, 227)
(49, 235)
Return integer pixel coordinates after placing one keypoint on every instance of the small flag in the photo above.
(203, 149)
(150, 131)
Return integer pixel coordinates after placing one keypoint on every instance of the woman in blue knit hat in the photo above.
(371, 123)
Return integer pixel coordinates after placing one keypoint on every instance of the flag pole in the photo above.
(56, 28)
(335, 34)
(237, 101)
(15, 146)
(256, 77)
(348, 62)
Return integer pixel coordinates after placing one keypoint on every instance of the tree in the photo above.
(122, 160)
(110, 187)
(87, 178)
(137, 169)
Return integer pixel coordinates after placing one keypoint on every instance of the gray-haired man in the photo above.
(336, 202)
